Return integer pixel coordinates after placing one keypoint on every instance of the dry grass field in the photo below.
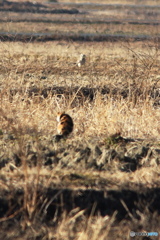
(148, 2)
(103, 181)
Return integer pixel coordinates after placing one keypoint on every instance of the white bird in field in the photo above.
(81, 61)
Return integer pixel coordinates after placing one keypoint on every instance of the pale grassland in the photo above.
(23, 65)
(28, 125)
(148, 2)
(79, 28)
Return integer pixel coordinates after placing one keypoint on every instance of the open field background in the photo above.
(104, 180)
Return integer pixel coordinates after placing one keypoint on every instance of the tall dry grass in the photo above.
(133, 67)
(134, 116)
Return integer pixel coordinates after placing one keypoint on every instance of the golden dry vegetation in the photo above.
(148, 2)
(31, 65)
(103, 180)
(31, 120)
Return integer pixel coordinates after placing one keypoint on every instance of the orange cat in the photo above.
(65, 124)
